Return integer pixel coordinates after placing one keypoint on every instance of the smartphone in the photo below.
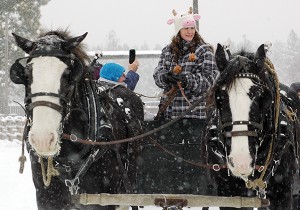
(131, 55)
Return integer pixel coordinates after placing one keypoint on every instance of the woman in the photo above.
(188, 60)
(188, 63)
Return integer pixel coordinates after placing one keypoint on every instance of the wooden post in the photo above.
(105, 199)
(195, 11)
(5, 99)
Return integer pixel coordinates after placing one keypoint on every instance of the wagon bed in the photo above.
(160, 172)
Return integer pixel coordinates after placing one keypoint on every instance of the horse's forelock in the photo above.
(64, 35)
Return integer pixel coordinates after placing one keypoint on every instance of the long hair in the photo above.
(176, 43)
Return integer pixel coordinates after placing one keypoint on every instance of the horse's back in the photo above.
(124, 97)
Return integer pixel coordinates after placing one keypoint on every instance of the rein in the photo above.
(215, 167)
(171, 95)
(74, 138)
(260, 182)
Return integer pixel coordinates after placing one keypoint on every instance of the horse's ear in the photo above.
(73, 42)
(260, 56)
(221, 58)
(25, 44)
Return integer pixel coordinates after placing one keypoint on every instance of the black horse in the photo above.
(63, 104)
(252, 133)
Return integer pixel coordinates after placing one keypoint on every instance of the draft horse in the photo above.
(252, 139)
(63, 104)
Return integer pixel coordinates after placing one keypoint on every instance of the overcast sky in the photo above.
(144, 21)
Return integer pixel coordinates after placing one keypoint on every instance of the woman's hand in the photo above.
(174, 78)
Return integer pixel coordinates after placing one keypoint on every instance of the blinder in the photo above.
(17, 72)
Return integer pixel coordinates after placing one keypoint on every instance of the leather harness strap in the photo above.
(171, 95)
(45, 103)
(230, 134)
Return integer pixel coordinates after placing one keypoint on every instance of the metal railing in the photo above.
(16, 110)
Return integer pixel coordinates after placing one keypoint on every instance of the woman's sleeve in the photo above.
(162, 69)
(131, 80)
(204, 73)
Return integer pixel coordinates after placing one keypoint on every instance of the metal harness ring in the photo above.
(73, 137)
(216, 167)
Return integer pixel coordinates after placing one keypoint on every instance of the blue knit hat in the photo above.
(112, 71)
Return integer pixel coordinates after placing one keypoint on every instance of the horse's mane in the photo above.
(79, 51)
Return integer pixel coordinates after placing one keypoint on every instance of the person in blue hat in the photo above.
(115, 73)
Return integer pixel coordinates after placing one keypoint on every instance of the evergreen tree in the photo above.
(286, 58)
(113, 42)
(246, 44)
(21, 17)
(293, 45)
(145, 46)
(278, 54)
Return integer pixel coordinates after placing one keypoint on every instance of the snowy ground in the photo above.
(17, 190)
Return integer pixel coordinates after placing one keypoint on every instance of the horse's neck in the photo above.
(79, 99)
(81, 115)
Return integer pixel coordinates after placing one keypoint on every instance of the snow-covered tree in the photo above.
(113, 42)
(21, 17)
(246, 44)
(286, 58)
(292, 59)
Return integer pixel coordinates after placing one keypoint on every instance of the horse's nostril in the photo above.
(230, 161)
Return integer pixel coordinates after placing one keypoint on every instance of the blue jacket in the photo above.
(131, 79)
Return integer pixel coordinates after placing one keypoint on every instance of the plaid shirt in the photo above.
(200, 75)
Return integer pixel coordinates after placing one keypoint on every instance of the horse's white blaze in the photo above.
(240, 107)
(45, 131)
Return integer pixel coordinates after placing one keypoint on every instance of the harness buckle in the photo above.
(260, 169)
(68, 168)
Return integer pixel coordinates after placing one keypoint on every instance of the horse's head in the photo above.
(241, 95)
(52, 70)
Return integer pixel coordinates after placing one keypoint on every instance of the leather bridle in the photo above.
(223, 133)
(64, 97)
